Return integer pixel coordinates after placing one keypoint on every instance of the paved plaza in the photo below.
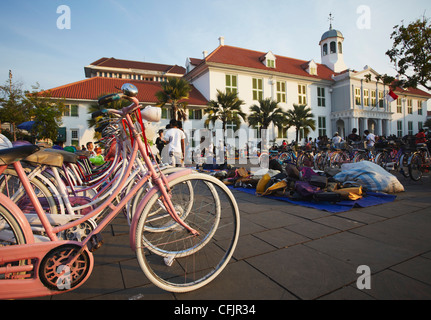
(288, 252)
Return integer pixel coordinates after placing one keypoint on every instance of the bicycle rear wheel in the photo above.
(11, 233)
(174, 259)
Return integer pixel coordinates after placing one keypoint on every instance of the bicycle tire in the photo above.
(175, 260)
(415, 166)
(19, 196)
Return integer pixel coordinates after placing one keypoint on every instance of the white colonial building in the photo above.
(340, 98)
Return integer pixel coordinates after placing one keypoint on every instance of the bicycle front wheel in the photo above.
(175, 260)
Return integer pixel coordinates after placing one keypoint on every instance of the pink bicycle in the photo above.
(184, 229)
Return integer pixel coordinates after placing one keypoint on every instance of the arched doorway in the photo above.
(371, 125)
(340, 128)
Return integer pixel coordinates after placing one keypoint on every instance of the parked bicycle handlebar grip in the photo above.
(110, 98)
(98, 113)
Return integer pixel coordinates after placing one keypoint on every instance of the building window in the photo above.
(399, 129)
(333, 47)
(165, 113)
(270, 63)
(74, 134)
(325, 49)
(322, 126)
(373, 98)
(302, 94)
(71, 110)
(419, 107)
(381, 100)
(366, 97)
(321, 101)
(410, 106)
(195, 114)
(340, 47)
(231, 83)
(282, 133)
(420, 125)
(281, 91)
(410, 127)
(399, 106)
(358, 100)
(257, 89)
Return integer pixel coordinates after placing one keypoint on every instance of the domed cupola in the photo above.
(331, 45)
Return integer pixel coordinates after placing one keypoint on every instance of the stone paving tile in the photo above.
(281, 238)
(239, 281)
(418, 268)
(390, 285)
(249, 246)
(312, 229)
(274, 219)
(339, 223)
(348, 293)
(357, 250)
(305, 272)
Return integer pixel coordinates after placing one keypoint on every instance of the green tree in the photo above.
(13, 110)
(47, 113)
(411, 55)
(174, 91)
(226, 108)
(265, 113)
(301, 118)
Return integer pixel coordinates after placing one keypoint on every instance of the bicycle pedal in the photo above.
(95, 242)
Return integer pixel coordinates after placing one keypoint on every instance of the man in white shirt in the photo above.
(370, 139)
(175, 138)
(336, 140)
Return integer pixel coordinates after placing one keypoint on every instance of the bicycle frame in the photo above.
(35, 252)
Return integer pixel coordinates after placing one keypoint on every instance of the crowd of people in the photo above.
(368, 139)
(95, 154)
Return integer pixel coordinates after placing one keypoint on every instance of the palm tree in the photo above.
(226, 108)
(265, 113)
(174, 90)
(301, 117)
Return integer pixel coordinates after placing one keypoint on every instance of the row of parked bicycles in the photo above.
(54, 206)
(402, 155)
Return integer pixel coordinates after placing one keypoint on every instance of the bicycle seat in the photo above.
(11, 155)
(67, 156)
(45, 157)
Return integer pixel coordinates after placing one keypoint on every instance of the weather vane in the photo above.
(330, 19)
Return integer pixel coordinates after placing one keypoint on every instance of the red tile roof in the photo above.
(127, 64)
(413, 91)
(252, 59)
(93, 88)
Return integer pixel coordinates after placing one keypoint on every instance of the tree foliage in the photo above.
(265, 113)
(301, 118)
(174, 91)
(411, 55)
(226, 108)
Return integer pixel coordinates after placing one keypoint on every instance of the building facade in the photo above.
(340, 98)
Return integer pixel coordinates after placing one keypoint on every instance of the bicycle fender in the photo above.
(19, 215)
(144, 201)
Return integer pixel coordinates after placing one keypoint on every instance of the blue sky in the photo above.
(169, 31)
